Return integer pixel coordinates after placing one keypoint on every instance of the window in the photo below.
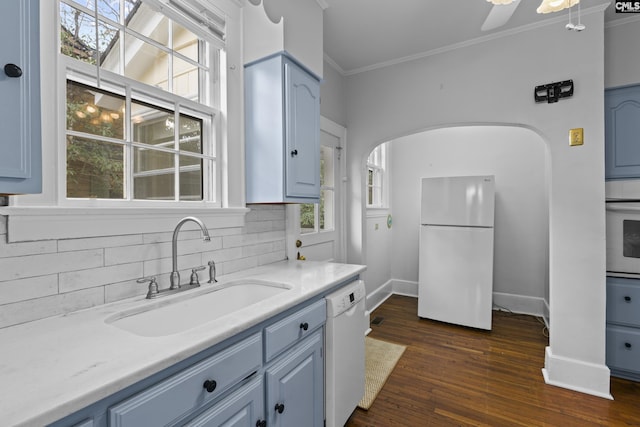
(376, 176)
(138, 123)
(142, 105)
(318, 217)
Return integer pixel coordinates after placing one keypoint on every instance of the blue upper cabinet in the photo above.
(622, 133)
(21, 159)
(282, 132)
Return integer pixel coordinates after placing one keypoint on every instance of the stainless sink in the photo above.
(191, 309)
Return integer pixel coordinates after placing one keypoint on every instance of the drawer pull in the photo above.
(627, 345)
(261, 423)
(12, 70)
(209, 385)
(627, 299)
(304, 326)
(279, 408)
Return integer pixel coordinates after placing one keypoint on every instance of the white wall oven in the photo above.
(623, 237)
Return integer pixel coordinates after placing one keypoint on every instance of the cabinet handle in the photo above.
(12, 70)
(304, 326)
(261, 423)
(279, 408)
(294, 153)
(209, 385)
(627, 299)
(627, 345)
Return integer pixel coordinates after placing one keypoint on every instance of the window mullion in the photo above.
(176, 147)
(128, 137)
(170, 60)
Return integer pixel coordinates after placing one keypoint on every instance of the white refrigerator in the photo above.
(455, 282)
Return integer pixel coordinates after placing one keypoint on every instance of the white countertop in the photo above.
(53, 367)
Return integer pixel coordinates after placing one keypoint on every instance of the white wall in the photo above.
(492, 83)
(622, 53)
(332, 90)
(379, 258)
(516, 157)
(294, 26)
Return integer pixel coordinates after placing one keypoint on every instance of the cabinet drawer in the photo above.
(244, 407)
(185, 391)
(292, 328)
(623, 301)
(623, 348)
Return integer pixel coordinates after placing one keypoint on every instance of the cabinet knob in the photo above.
(12, 70)
(209, 385)
(261, 423)
(627, 299)
(279, 408)
(627, 345)
(294, 153)
(304, 326)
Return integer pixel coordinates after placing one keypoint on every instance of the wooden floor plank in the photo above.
(455, 376)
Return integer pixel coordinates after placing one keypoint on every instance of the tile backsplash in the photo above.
(51, 277)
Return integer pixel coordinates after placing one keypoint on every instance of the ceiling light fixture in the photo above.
(548, 6)
(575, 27)
(500, 1)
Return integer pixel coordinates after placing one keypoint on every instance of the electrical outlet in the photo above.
(375, 227)
(576, 136)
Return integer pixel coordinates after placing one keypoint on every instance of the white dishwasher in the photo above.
(344, 358)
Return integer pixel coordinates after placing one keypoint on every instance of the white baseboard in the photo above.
(404, 287)
(516, 303)
(379, 295)
(577, 375)
(520, 304)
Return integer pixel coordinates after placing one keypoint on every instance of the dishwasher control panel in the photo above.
(345, 298)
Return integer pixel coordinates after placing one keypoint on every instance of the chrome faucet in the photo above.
(175, 275)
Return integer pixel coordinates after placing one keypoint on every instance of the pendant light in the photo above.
(548, 6)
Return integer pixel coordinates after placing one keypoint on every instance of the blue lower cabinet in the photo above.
(295, 386)
(190, 390)
(623, 327)
(244, 383)
(243, 408)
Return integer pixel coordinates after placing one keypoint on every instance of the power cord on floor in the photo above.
(545, 329)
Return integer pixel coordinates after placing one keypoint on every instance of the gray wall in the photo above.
(332, 90)
(622, 54)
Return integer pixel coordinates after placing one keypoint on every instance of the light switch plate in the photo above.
(576, 136)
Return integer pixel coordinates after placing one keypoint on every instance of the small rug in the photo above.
(380, 359)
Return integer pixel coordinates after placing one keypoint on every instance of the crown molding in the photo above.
(622, 21)
(471, 42)
(323, 4)
(333, 64)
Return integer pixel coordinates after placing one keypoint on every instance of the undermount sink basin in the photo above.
(190, 309)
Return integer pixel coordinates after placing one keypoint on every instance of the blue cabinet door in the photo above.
(295, 386)
(302, 132)
(20, 159)
(282, 132)
(622, 133)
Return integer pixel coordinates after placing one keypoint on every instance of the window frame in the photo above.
(92, 75)
(46, 216)
(381, 169)
(81, 73)
(335, 154)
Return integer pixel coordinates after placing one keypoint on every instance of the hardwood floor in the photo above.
(456, 376)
